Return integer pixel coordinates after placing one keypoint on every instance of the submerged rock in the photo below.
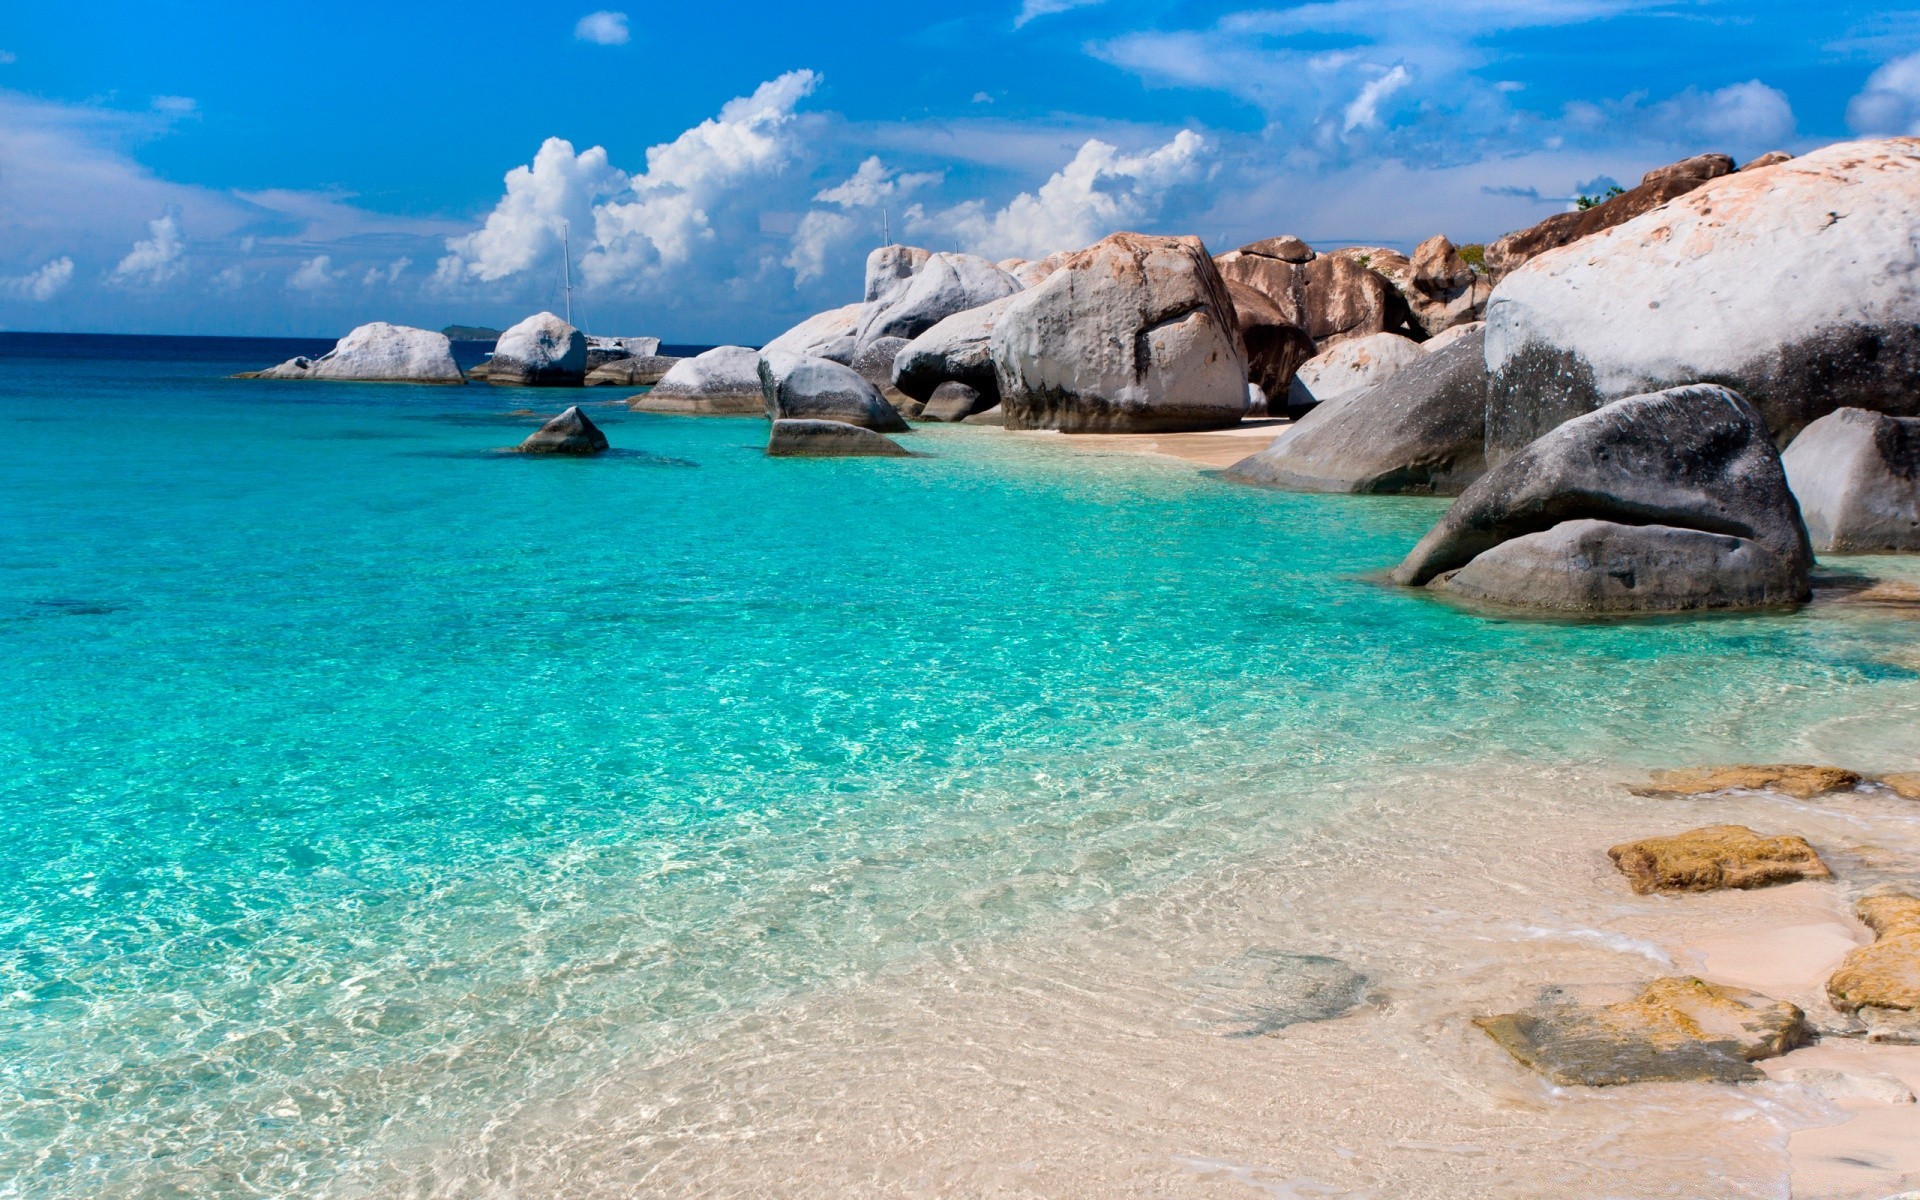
(1132, 335)
(793, 387)
(1856, 475)
(792, 438)
(1419, 431)
(643, 371)
(1264, 991)
(723, 382)
(1799, 780)
(569, 433)
(1675, 1030)
(541, 351)
(1716, 857)
(1881, 983)
(1798, 286)
(377, 353)
(1656, 503)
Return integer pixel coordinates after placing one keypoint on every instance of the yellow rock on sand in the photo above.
(1905, 783)
(1881, 982)
(1718, 856)
(1798, 780)
(1675, 1029)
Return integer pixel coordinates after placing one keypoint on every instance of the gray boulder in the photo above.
(945, 285)
(793, 438)
(723, 382)
(541, 351)
(1134, 334)
(874, 363)
(1664, 502)
(798, 388)
(1797, 285)
(377, 353)
(956, 350)
(953, 401)
(1856, 475)
(1422, 430)
(643, 371)
(569, 433)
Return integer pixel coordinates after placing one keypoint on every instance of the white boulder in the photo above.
(541, 351)
(1133, 334)
(824, 335)
(1856, 475)
(1358, 364)
(723, 382)
(378, 353)
(797, 388)
(946, 284)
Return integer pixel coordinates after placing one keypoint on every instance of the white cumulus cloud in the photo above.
(603, 29)
(524, 230)
(820, 233)
(874, 182)
(315, 274)
(1099, 192)
(1890, 103)
(42, 283)
(1747, 115)
(155, 259)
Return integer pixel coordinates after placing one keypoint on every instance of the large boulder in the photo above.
(1422, 430)
(644, 371)
(874, 363)
(723, 382)
(570, 433)
(798, 438)
(378, 353)
(1134, 334)
(945, 285)
(954, 351)
(1274, 346)
(1442, 290)
(541, 351)
(890, 271)
(1663, 502)
(1857, 477)
(1332, 296)
(794, 387)
(823, 335)
(1798, 285)
(1357, 364)
(1656, 188)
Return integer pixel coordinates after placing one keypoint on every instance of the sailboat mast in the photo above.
(566, 257)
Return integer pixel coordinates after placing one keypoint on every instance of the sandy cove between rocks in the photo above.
(1214, 448)
(1089, 1059)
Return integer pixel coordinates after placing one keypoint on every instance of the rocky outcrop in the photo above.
(1030, 273)
(1132, 335)
(953, 401)
(1799, 780)
(570, 433)
(603, 350)
(1332, 297)
(644, 371)
(955, 350)
(541, 351)
(1799, 286)
(1274, 347)
(1357, 364)
(824, 335)
(945, 285)
(874, 363)
(815, 389)
(1857, 477)
(1771, 158)
(1420, 431)
(1716, 857)
(1656, 188)
(1880, 983)
(1675, 1030)
(723, 382)
(1442, 291)
(796, 438)
(1664, 502)
(377, 353)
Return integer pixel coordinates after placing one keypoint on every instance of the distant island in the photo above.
(471, 333)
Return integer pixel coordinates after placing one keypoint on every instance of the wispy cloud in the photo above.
(603, 29)
(1030, 9)
(42, 283)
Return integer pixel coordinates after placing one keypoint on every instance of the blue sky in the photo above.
(281, 169)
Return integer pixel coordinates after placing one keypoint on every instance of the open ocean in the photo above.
(363, 784)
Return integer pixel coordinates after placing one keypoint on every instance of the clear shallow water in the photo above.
(363, 784)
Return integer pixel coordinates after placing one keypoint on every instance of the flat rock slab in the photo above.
(1676, 1030)
(830, 439)
(1798, 780)
(1881, 983)
(1716, 857)
(1263, 991)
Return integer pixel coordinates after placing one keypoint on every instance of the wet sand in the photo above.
(1214, 449)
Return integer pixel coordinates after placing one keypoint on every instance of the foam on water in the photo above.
(362, 786)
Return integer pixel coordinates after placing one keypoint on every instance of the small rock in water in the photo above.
(830, 439)
(569, 433)
(1789, 779)
(1716, 857)
(1264, 991)
(1905, 784)
(1844, 1085)
(1881, 983)
(1675, 1030)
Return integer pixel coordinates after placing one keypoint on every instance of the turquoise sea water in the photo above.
(360, 782)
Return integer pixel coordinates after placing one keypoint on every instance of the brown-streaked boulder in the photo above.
(1656, 188)
(723, 382)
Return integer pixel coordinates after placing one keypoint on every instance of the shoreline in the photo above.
(1214, 448)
